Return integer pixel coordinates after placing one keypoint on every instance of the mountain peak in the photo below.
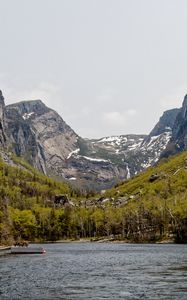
(184, 104)
(1, 98)
(166, 122)
(30, 106)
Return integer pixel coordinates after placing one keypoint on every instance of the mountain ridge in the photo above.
(40, 135)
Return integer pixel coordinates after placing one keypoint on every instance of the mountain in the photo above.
(137, 152)
(39, 135)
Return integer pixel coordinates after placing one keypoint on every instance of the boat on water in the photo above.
(27, 250)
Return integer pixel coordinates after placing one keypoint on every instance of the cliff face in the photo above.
(2, 110)
(178, 140)
(39, 134)
(179, 135)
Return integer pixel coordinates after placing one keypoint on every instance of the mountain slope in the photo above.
(166, 122)
(22, 191)
(179, 134)
(153, 203)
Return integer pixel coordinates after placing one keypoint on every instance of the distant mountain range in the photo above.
(38, 134)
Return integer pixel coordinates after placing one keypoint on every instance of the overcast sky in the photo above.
(108, 67)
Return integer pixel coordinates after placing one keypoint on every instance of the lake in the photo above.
(96, 271)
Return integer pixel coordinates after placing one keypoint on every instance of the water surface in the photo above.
(96, 271)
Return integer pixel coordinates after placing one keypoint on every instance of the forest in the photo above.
(151, 207)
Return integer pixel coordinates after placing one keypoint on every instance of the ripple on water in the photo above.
(96, 271)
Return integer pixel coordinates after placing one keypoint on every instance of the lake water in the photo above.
(96, 271)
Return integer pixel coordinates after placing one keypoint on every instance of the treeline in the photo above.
(139, 222)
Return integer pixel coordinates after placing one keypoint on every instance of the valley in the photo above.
(56, 185)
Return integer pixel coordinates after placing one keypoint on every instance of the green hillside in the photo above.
(172, 178)
(154, 203)
(150, 207)
(26, 201)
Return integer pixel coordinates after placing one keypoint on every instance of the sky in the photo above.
(108, 67)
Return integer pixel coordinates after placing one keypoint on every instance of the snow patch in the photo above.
(26, 116)
(161, 139)
(94, 159)
(72, 178)
(134, 146)
(76, 151)
(113, 139)
(153, 138)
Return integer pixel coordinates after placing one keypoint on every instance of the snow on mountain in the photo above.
(26, 116)
(94, 159)
(135, 152)
(41, 136)
(114, 140)
(76, 151)
(119, 143)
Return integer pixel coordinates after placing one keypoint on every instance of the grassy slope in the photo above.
(172, 179)
(158, 209)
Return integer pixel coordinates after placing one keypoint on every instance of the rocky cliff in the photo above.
(165, 123)
(179, 133)
(178, 141)
(2, 110)
(39, 135)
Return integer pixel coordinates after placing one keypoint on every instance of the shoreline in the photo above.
(96, 240)
(104, 240)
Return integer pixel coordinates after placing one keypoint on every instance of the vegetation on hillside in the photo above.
(25, 194)
(150, 207)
